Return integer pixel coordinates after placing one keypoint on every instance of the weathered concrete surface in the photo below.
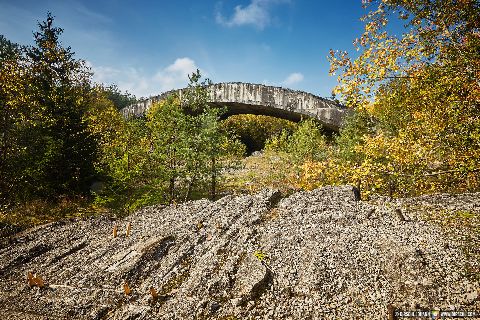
(242, 98)
(325, 256)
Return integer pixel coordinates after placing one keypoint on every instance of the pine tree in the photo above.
(60, 149)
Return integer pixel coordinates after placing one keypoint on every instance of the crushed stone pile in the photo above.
(321, 254)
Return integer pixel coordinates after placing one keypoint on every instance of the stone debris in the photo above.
(321, 254)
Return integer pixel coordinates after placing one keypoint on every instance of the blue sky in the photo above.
(147, 47)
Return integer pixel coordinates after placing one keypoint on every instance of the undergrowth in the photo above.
(38, 212)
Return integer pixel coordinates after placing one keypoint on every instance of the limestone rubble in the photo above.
(312, 255)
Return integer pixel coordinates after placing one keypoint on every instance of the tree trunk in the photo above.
(129, 188)
(213, 181)
(173, 166)
(359, 188)
(171, 189)
(189, 189)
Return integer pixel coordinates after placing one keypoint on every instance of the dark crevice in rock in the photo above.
(160, 249)
(102, 314)
(149, 259)
(236, 266)
(175, 281)
(262, 286)
(7, 231)
(69, 252)
(274, 199)
(134, 316)
(33, 253)
(182, 258)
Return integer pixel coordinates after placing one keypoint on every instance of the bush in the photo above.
(306, 143)
(255, 130)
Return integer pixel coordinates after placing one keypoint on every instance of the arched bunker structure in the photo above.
(242, 98)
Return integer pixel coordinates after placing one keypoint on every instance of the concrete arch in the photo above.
(241, 98)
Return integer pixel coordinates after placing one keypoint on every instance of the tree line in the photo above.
(415, 93)
(415, 128)
(62, 135)
(176, 153)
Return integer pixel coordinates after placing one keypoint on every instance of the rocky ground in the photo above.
(312, 255)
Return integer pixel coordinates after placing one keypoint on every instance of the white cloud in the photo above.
(293, 78)
(176, 74)
(103, 74)
(257, 14)
(141, 84)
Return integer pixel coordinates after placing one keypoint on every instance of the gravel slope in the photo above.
(313, 255)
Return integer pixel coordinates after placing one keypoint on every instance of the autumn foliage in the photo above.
(416, 98)
(419, 96)
(255, 130)
(415, 125)
(62, 137)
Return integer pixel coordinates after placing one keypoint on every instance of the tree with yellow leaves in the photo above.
(422, 91)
